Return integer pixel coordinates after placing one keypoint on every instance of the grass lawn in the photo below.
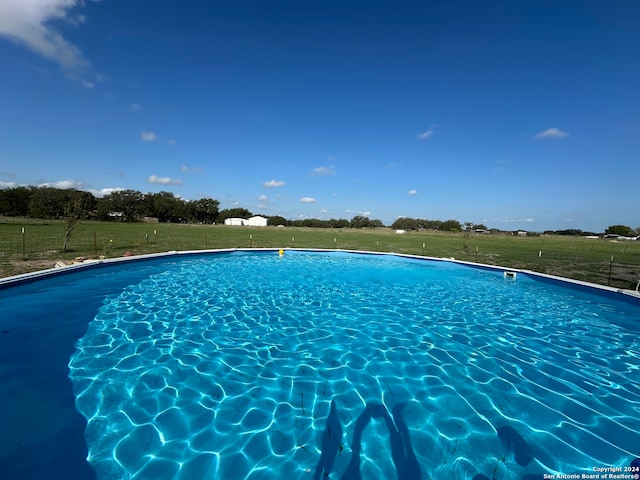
(40, 246)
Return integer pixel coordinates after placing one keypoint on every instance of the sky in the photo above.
(511, 114)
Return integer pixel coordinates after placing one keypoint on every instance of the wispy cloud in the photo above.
(28, 23)
(164, 180)
(323, 170)
(358, 212)
(412, 192)
(186, 169)
(551, 133)
(7, 184)
(273, 183)
(64, 184)
(515, 220)
(136, 107)
(149, 136)
(263, 198)
(425, 135)
(154, 137)
(106, 191)
(308, 200)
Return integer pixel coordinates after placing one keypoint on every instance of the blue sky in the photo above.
(513, 114)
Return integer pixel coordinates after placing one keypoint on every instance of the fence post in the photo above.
(610, 267)
(24, 255)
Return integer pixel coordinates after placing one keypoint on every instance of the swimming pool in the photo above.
(255, 365)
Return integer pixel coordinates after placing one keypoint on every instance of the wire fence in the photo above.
(594, 260)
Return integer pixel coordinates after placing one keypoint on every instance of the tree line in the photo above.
(73, 206)
(123, 205)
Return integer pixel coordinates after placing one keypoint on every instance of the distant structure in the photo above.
(255, 221)
(235, 221)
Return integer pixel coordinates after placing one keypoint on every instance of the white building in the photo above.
(235, 221)
(257, 221)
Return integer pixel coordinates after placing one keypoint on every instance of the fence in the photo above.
(37, 246)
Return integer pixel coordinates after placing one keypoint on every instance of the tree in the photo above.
(14, 202)
(405, 223)
(48, 202)
(451, 226)
(234, 213)
(621, 230)
(576, 232)
(165, 206)
(204, 210)
(339, 223)
(73, 214)
(276, 220)
(126, 202)
(359, 221)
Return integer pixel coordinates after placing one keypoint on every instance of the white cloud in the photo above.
(64, 184)
(424, 135)
(413, 192)
(262, 198)
(28, 23)
(323, 210)
(186, 169)
(551, 133)
(308, 200)
(273, 183)
(363, 214)
(149, 136)
(171, 141)
(106, 191)
(515, 220)
(323, 170)
(8, 184)
(164, 180)
(136, 107)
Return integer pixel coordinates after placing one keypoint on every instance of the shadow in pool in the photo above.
(514, 442)
(402, 452)
(331, 441)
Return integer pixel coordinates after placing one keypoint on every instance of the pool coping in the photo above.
(14, 280)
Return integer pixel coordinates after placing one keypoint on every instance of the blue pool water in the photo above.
(314, 365)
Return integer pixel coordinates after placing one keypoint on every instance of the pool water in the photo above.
(343, 366)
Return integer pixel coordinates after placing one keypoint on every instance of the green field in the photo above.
(40, 246)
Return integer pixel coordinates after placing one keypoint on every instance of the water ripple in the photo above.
(255, 366)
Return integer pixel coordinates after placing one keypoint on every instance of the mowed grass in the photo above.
(40, 246)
